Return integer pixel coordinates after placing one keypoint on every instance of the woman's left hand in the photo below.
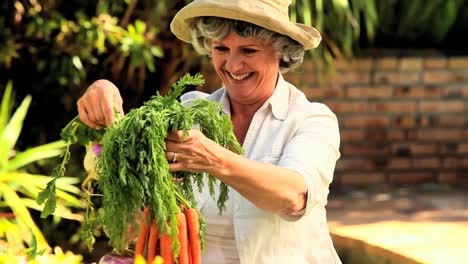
(194, 153)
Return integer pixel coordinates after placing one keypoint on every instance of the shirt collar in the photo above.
(278, 100)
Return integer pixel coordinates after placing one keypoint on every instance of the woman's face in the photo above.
(248, 67)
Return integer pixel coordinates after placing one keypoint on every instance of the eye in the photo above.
(221, 48)
(249, 51)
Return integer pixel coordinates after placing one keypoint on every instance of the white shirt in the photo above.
(288, 131)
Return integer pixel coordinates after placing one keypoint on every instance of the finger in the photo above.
(107, 110)
(96, 112)
(177, 166)
(176, 136)
(170, 156)
(118, 103)
(171, 145)
(84, 115)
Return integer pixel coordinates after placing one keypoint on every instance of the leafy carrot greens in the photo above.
(132, 168)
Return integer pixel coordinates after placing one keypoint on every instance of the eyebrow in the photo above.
(242, 46)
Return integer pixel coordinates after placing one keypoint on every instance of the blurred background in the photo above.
(395, 72)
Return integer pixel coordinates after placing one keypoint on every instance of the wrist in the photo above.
(225, 165)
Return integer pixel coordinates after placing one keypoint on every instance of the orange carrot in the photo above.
(189, 250)
(193, 226)
(183, 239)
(166, 252)
(152, 241)
(144, 224)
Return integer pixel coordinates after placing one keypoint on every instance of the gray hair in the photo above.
(204, 29)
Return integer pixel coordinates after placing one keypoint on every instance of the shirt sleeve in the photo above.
(188, 97)
(313, 152)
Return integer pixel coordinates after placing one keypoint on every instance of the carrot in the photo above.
(166, 252)
(183, 239)
(144, 223)
(190, 251)
(152, 241)
(193, 225)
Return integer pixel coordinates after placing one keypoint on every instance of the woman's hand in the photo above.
(195, 152)
(98, 104)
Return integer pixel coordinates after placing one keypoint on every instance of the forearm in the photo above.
(270, 187)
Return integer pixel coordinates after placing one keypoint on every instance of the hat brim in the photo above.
(307, 36)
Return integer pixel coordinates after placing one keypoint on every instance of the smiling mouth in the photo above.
(240, 77)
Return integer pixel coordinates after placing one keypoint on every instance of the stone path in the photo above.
(407, 225)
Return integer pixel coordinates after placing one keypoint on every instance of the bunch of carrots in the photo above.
(156, 242)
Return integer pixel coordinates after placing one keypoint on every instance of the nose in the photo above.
(234, 63)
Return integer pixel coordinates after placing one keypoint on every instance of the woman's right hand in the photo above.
(97, 106)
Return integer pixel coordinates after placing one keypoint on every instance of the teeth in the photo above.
(239, 77)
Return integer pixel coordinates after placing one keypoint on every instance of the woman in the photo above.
(278, 190)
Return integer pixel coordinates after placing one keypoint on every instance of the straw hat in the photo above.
(270, 14)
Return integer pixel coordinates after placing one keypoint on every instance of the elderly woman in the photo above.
(278, 190)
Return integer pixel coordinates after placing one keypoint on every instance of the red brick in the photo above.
(386, 63)
(458, 63)
(411, 64)
(451, 121)
(462, 148)
(359, 150)
(440, 134)
(418, 92)
(426, 163)
(317, 93)
(435, 63)
(370, 92)
(444, 77)
(396, 135)
(421, 148)
(354, 164)
(348, 135)
(464, 90)
(393, 107)
(456, 163)
(362, 178)
(353, 65)
(399, 163)
(405, 121)
(376, 134)
(365, 121)
(348, 107)
(445, 106)
(453, 92)
(448, 149)
(397, 78)
(453, 177)
(415, 149)
(350, 78)
(411, 177)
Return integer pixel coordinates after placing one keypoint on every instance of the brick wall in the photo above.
(403, 120)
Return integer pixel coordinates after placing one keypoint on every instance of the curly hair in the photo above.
(205, 29)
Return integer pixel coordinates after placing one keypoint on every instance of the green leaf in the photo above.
(22, 213)
(12, 130)
(5, 106)
(48, 196)
(35, 154)
(77, 63)
(157, 51)
(32, 250)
